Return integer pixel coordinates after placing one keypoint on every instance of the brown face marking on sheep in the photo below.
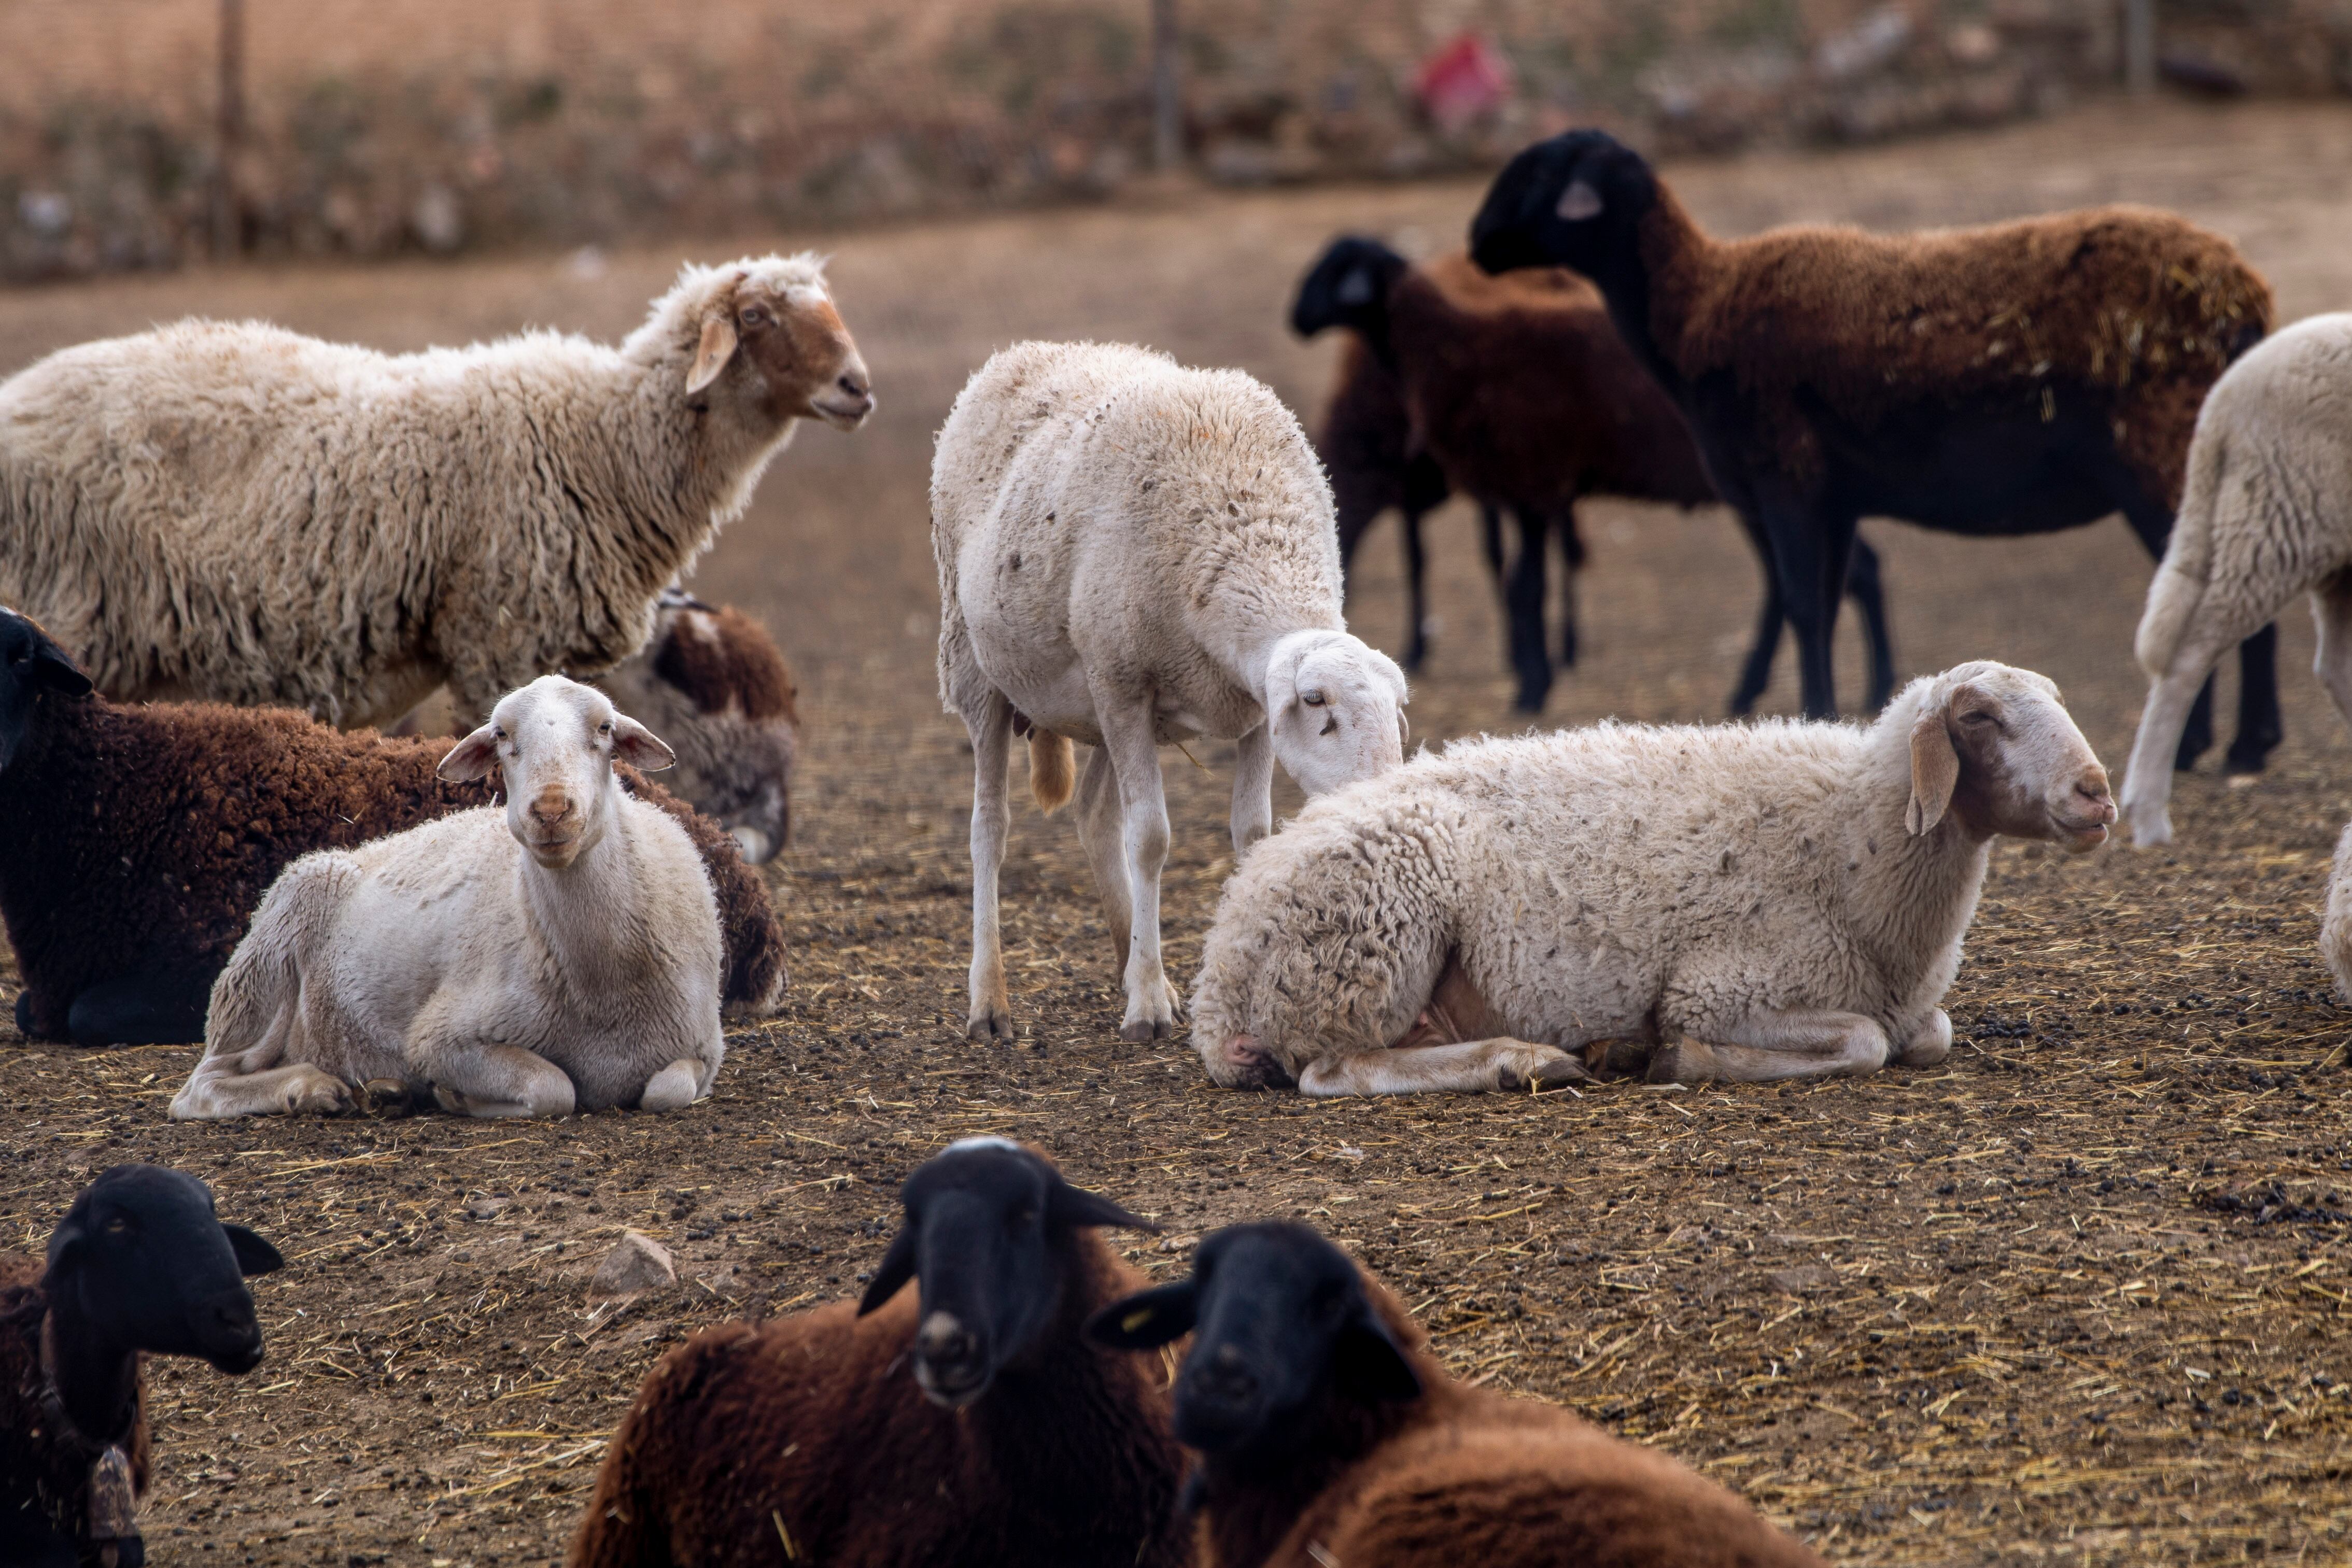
(805, 352)
(722, 660)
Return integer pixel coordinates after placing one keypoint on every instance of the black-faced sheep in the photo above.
(1132, 553)
(141, 838)
(1329, 1437)
(2017, 379)
(1783, 899)
(1367, 448)
(139, 1266)
(239, 514)
(804, 1440)
(2266, 515)
(1523, 394)
(561, 954)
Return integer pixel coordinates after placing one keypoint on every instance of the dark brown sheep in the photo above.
(141, 838)
(140, 1265)
(1330, 1436)
(2016, 379)
(1520, 391)
(966, 1423)
(714, 685)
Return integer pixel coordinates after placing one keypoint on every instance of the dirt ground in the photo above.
(2078, 1296)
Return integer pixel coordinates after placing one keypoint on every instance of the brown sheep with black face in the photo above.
(2019, 378)
(143, 835)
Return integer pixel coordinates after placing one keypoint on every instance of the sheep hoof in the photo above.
(452, 1100)
(1685, 1062)
(1143, 1031)
(1930, 1045)
(385, 1097)
(2151, 824)
(1539, 1067)
(989, 1021)
(317, 1095)
(1616, 1058)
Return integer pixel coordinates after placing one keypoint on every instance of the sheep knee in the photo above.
(1931, 1044)
(671, 1089)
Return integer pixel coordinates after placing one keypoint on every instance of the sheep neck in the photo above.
(1652, 288)
(581, 911)
(1252, 1505)
(96, 1383)
(1915, 893)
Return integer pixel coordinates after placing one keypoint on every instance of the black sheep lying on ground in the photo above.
(1013, 1440)
(1330, 1436)
(140, 838)
(139, 1266)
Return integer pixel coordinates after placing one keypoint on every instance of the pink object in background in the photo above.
(1464, 81)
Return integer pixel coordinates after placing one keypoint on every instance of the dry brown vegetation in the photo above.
(2080, 1296)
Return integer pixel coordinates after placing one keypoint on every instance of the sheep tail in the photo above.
(1053, 769)
(2187, 564)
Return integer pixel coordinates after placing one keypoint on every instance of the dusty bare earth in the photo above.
(2080, 1296)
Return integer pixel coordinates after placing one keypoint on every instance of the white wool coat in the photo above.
(1163, 522)
(235, 512)
(1619, 881)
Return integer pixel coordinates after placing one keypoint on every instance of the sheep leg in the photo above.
(1523, 606)
(1466, 1066)
(1809, 553)
(1862, 586)
(1099, 831)
(1756, 673)
(258, 1081)
(1253, 788)
(2171, 699)
(2331, 615)
(1775, 1045)
(1571, 550)
(477, 1078)
(990, 726)
(673, 1088)
(159, 1005)
(1416, 592)
(1128, 739)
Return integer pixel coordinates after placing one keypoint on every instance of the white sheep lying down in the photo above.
(561, 954)
(1776, 900)
(2265, 514)
(1132, 553)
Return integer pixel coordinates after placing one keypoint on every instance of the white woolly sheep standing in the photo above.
(235, 512)
(563, 953)
(2266, 514)
(1131, 553)
(1776, 900)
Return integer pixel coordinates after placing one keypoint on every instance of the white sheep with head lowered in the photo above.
(1132, 553)
(1781, 899)
(234, 512)
(560, 954)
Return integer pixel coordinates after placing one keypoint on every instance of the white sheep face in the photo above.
(1336, 709)
(1994, 746)
(552, 744)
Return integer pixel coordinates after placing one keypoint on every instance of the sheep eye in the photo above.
(1021, 1216)
(1979, 718)
(1313, 697)
(606, 727)
(753, 316)
(117, 1226)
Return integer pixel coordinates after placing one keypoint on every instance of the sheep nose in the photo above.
(1226, 1376)
(854, 383)
(943, 1338)
(551, 809)
(2093, 789)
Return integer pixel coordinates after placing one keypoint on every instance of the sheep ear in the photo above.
(1148, 1319)
(56, 672)
(254, 1256)
(1935, 771)
(897, 1267)
(1366, 1364)
(65, 1241)
(1580, 201)
(1074, 1206)
(472, 758)
(634, 744)
(710, 357)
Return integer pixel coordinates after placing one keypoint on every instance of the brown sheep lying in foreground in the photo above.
(1330, 1436)
(2019, 377)
(1521, 393)
(1013, 1441)
(143, 837)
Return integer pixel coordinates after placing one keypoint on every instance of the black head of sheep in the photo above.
(142, 1263)
(985, 1221)
(1348, 287)
(31, 665)
(1573, 201)
(1279, 1317)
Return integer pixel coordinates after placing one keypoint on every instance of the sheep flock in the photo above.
(387, 789)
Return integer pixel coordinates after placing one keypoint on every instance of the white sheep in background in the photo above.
(561, 955)
(1776, 900)
(240, 513)
(1132, 553)
(2266, 514)
(2336, 921)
